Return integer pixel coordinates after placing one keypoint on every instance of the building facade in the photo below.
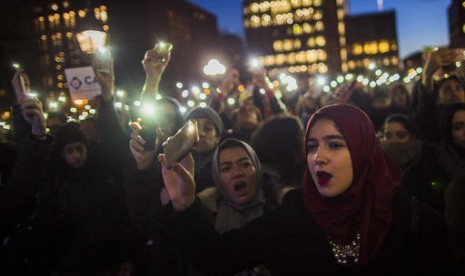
(297, 36)
(456, 14)
(131, 30)
(372, 42)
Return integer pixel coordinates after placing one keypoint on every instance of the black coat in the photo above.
(288, 242)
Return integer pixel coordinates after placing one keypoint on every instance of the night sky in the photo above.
(419, 22)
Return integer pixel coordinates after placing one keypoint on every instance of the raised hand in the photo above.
(21, 85)
(144, 159)
(154, 68)
(105, 77)
(179, 184)
(33, 113)
(342, 94)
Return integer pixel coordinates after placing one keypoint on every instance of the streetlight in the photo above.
(214, 68)
(89, 36)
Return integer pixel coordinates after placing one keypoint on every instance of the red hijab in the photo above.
(366, 206)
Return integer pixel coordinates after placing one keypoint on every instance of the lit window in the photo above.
(104, 16)
(255, 21)
(297, 29)
(269, 60)
(65, 4)
(43, 37)
(265, 6)
(341, 28)
(383, 46)
(340, 2)
(255, 7)
(103, 8)
(300, 57)
(311, 42)
(69, 35)
(394, 61)
(54, 7)
(306, 3)
(370, 48)
(82, 13)
(318, 15)
(357, 49)
(287, 45)
(317, 3)
(278, 46)
(297, 44)
(342, 41)
(322, 68)
(291, 58)
(295, 3)
(319, 26)
(340, 14)
(106, 28)
(307, 28)
(280, 59)
(320, 41)
(344, 67)
(312, 56)
(351, 64)
(343, 54)
(51, 18)
(393, 46)
(386, 61)
(322, 55)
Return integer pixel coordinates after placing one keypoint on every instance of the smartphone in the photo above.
(181, 143)
(162, 49)
(149, 124)
(104, 56)
(23, 81)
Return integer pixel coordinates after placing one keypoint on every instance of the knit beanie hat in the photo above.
(69, 133)
(206, 113)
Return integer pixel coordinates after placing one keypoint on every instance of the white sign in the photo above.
(82, 83)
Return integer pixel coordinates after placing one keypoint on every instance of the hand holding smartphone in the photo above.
(104, 60)
(162, 49)
(181, 143)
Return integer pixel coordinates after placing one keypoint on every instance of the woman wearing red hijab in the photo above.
(349, 218)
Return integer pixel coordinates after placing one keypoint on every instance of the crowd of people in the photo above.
(351, 182)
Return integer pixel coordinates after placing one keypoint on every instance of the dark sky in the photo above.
(419, 22)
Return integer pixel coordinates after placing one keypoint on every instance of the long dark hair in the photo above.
(279, 142)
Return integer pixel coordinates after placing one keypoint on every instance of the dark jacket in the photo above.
(289, 242)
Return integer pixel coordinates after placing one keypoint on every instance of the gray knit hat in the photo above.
(206, 113)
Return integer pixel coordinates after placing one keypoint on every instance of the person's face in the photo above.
(247, 116)
(399, 97)
(53, 124)
(208, 138)
(458, 129)
(75, 154)
(395, 132)
(167, 118)
(328, 159)
(451, 92)
(237, 174)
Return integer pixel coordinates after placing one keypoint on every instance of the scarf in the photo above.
(366, 206)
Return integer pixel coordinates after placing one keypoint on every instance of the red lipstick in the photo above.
(323, 178)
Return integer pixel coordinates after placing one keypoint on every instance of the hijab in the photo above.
(230, 214)
(366, 206)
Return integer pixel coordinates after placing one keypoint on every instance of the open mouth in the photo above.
(240, 186)
(323, 177)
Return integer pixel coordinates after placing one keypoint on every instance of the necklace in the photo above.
(348, 253)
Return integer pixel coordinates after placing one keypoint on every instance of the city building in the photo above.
(456, 13)
(130, 28)
(372, 42)
(297, 36)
